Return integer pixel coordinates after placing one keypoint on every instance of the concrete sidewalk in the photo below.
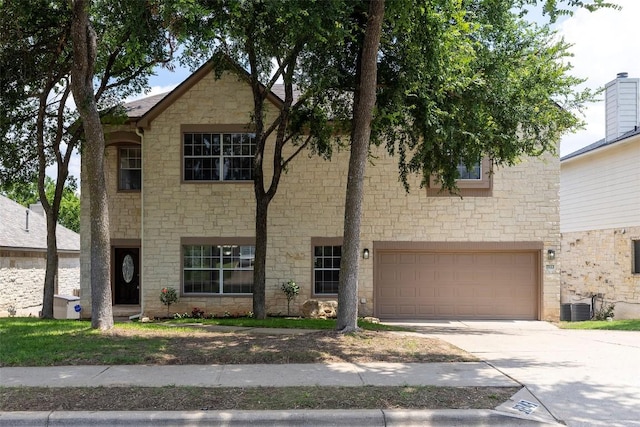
(285, 375)
(511, 413)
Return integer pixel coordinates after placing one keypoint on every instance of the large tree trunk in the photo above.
(84, 51)
(365, 98)
(260, 261)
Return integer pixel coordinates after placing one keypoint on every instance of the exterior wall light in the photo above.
(551, 254)
(365, 253)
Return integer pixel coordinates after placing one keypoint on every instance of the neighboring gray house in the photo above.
(23, 256)
(600, 209)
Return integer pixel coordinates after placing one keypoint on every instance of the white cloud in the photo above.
(605, 43)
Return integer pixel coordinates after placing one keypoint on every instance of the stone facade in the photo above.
(600, 262)
(22, 280)
(309, 204)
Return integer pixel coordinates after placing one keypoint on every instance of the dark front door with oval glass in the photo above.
(127, 276)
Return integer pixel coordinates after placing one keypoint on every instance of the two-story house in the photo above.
(600, 209)
(182, 210)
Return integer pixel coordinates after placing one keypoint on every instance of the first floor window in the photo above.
(326, 269)
(218, 156)
(636, 257)
(130, 170)
(218, 269)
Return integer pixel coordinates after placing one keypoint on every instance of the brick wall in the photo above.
(600, 262)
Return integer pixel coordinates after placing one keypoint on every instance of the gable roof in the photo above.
(13, 233)
(147, 109)
(140, 107)
(602, 143)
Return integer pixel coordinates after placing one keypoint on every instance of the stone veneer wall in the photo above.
(124, 219)
(600, 262)
(310, 203)
(22, 280)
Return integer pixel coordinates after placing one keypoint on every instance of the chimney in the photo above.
(622, 104)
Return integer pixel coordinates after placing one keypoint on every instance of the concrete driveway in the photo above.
(583, 378)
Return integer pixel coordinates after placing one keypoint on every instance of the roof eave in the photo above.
(596, 150)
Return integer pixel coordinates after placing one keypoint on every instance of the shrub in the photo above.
(291, 290)
(168, 296)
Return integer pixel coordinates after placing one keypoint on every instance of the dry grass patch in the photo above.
(254, 398)
(201, 347)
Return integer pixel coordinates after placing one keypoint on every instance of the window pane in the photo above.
(213, 157)
(130, 169)
(197, 281)
(473, 173)
(326, 264)
(203, 265)
(636, 256)
(238, 281)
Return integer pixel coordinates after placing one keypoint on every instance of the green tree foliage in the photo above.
(262, 42)
(28, 194)
(38, 127)
(457, 80)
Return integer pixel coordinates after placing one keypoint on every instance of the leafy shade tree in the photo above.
(34, 117)
(126, 58)
(458, 81)
(364, 100)
(84, 42)
(37, 126)
(28, 194)
(262, 42)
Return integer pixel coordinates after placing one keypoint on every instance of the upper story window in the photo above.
(130, 168)
(475, 181)
(475, 172)
(211, 156)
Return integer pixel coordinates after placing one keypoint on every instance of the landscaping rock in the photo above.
(315, 309)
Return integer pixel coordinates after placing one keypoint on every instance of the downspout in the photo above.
(140, 133)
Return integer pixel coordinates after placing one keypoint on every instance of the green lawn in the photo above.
(40, 342)
(615, 325)
(285, 322)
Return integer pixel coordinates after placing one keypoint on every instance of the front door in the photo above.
(127, 276)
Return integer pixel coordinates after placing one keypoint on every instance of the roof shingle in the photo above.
(13, 232)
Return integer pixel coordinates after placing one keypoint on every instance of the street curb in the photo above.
(351, 418)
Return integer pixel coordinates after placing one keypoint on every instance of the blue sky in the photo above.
(604, 43)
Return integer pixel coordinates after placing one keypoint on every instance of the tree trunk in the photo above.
(365, 98)
(52, 267)
(260, 261)
(84, 52)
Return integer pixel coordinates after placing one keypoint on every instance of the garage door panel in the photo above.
(484, 285)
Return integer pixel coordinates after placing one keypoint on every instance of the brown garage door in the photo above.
(445, 285)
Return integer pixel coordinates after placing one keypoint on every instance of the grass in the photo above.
(285, 323)
(614, 325)
(251, 398)
(40, 342)
(35, 342)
